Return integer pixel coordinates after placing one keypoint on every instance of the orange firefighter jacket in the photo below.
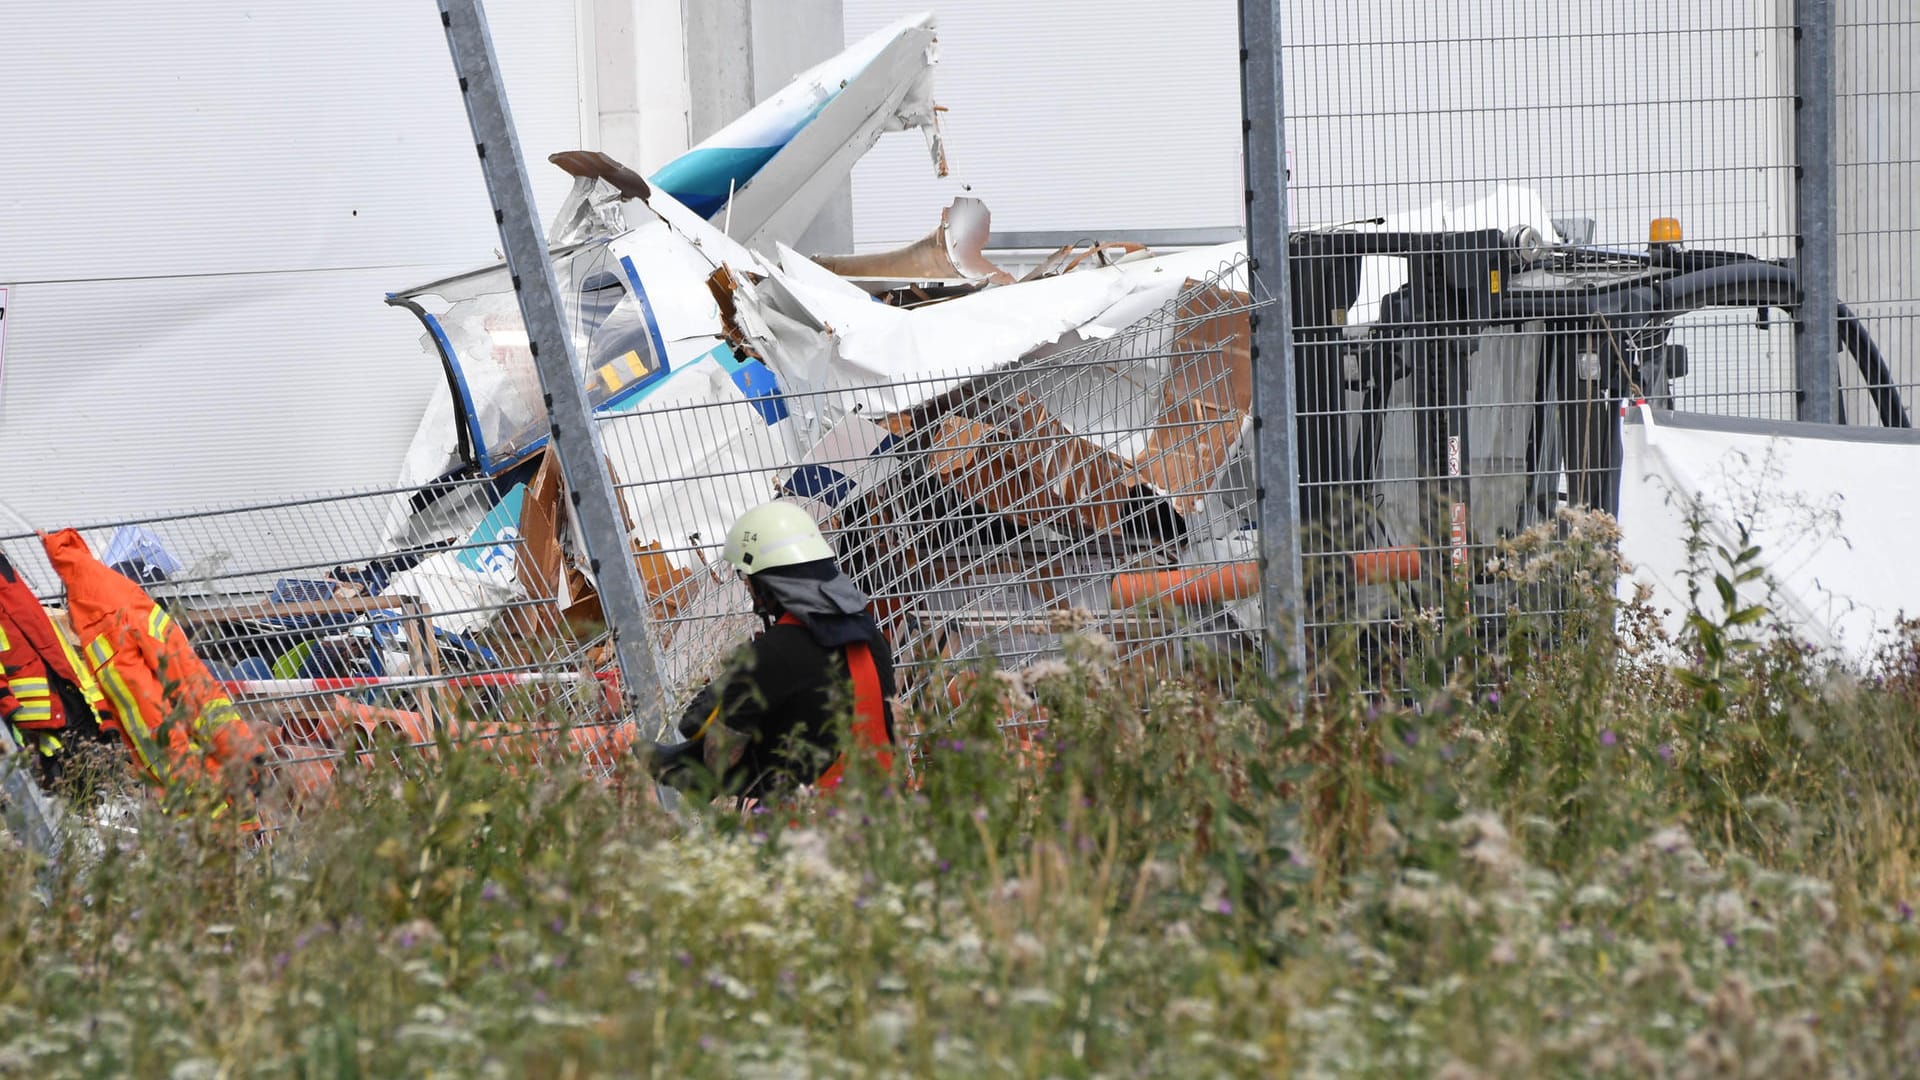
(174, 714)
(35, 658)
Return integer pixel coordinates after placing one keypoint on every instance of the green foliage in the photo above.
(1598, 852)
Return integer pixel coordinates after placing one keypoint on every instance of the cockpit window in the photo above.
(478, 328)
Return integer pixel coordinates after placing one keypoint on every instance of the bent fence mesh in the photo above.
(1101, 487)
(334, 629)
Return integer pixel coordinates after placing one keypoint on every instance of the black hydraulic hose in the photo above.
(1739, 284)
(1874, 369)
(1773, 285)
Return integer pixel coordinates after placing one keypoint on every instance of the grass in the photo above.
(1602, 853)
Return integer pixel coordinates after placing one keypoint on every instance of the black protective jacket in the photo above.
(782, 700)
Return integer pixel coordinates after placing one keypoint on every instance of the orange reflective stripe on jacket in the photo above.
(146, 668)
(869, 712)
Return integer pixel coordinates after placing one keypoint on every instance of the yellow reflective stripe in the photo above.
(49, 745)
(100, 651)
(33, 713)
(5, 644)
(24, 687)
(219, 712)
(88, 687)
(157, 622)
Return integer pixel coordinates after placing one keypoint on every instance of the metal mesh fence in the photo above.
(1100, 487)
(426, 614)
(1878, 146)
(1513, 219)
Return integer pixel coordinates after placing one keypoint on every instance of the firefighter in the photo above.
(773, 720)
(46, 692)
(174, 715)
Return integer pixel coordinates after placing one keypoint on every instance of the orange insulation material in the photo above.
(1237, 581)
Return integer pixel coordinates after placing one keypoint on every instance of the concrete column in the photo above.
(739, 53)
(634, 80)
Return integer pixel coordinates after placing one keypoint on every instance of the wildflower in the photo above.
(1705, 1051)
(1485, 840)
(1665, 750)
(1798, 1046)
(1820, 960)
(1906, 911)
(1040, 672)
(280, 961)
(1012, 690)
(1067, 620)
(413, 933)
(1607, 737)
(1732, 1003)
(1224, 906)
(1411, 737)
(684, 958)
(558, 924)
(1671, 840)
(1723, 910)
(489, 892)
(1493, 697)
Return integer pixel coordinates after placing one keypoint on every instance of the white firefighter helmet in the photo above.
(774, 534)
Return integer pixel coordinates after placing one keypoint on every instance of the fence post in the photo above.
(1276, 464)
(27, 813)
(1816, 338)
(574, 437)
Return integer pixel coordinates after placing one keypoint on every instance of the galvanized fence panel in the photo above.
(1101, 488)
(1511, 220)
(1877, 129)
(438, 613)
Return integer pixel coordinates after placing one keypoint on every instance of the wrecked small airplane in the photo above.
(727, 370)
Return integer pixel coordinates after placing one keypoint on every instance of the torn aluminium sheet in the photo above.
(824, 336)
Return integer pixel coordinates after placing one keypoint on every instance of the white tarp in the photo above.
(1834, 511)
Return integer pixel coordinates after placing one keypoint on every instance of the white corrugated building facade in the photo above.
(203, 206)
